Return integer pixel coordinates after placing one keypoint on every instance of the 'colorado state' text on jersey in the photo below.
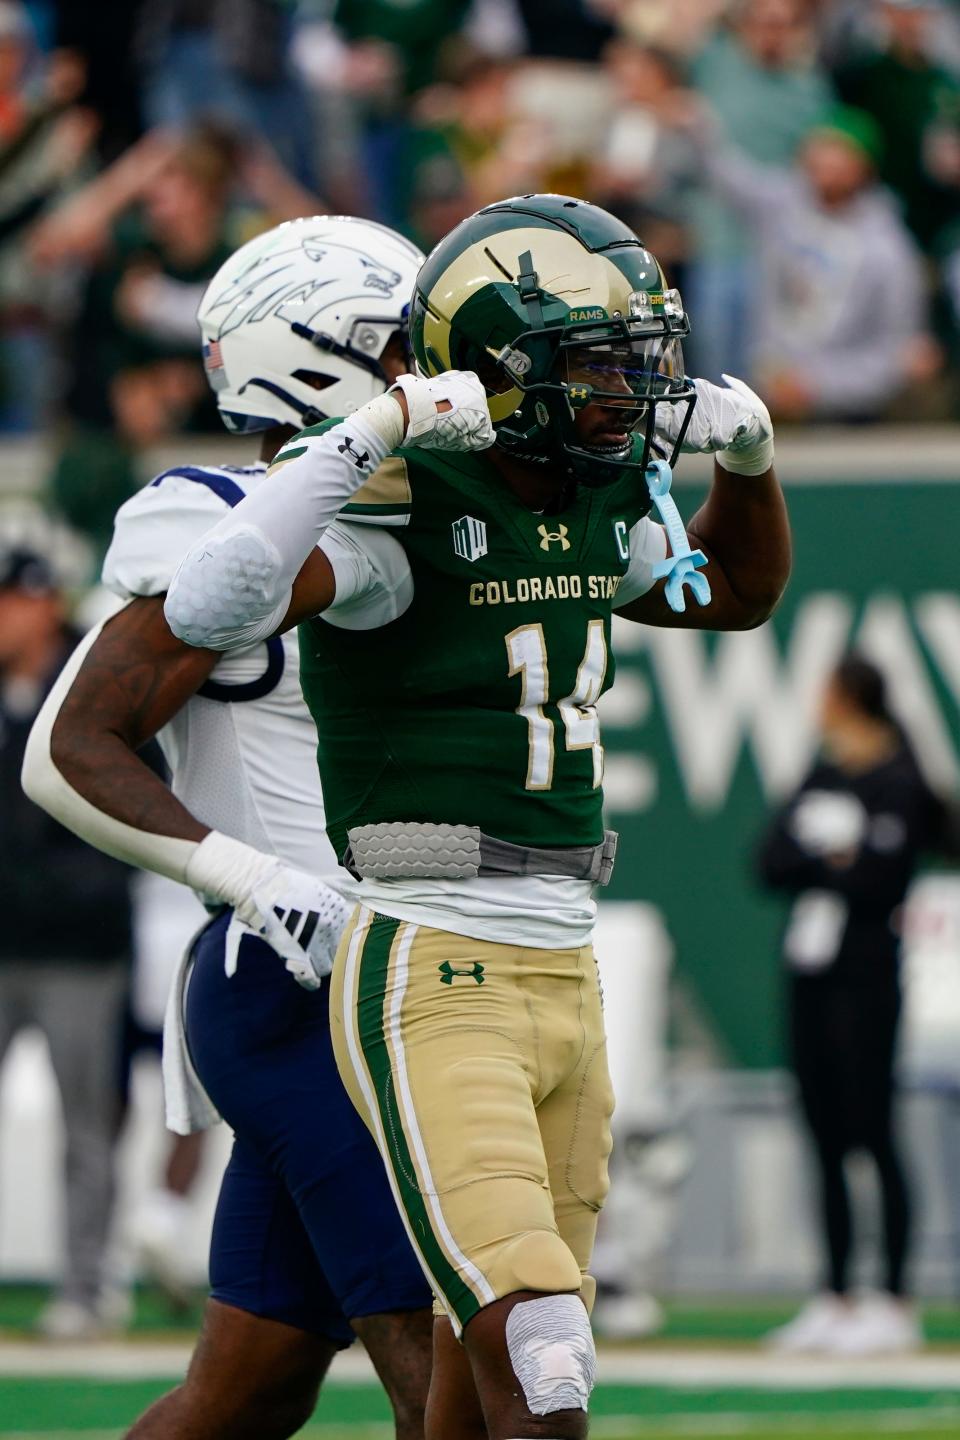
(478, 705)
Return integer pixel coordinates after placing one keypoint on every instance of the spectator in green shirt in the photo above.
(417, 30)
(916, 104)
(763, 82)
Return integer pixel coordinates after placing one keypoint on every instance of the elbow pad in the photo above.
(229, 592)
(234, 586)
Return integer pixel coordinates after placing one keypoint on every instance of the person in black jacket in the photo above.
(846, 847)
(64, 945)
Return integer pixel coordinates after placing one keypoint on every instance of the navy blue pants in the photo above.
(306, 1230)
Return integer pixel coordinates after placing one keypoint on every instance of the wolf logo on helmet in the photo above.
(556, 304)
(303, 312)
(262, 290)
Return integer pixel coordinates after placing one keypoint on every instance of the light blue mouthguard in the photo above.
(681, 568)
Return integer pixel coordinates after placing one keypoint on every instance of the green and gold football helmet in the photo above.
(557, 306)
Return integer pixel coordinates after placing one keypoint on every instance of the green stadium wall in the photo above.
(704, 734)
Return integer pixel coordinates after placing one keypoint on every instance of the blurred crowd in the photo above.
(795, 164)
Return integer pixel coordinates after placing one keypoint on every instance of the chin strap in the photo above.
(528, 285)
(681, 567)
(309, 414)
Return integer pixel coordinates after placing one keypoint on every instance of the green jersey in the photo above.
(478, 705)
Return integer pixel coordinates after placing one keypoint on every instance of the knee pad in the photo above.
(535, 1260)
(551, 1349)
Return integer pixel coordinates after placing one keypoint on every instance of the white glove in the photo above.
(732, 423)
(465, 426)
(299, 916)
(828, 822)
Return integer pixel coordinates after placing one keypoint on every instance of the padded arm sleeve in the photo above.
(233, 586)
(648, 546)
(48, 788)
(218, 866)
(372, 573)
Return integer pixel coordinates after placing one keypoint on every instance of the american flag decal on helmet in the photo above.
(213, 363)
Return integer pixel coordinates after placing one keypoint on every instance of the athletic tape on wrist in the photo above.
(384, 418)
(421, 405)
(229, 871)
(755, 461)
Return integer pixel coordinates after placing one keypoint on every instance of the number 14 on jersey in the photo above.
(527, 653)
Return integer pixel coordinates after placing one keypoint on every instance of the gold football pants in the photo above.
(481, 1071)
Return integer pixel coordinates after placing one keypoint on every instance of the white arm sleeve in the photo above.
(374, 584)
(218, 866)
(48, 788)
(648, 545)
(234, 585)
(154, 529)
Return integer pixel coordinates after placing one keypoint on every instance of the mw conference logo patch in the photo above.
(469, 538)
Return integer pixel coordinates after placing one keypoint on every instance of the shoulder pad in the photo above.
(222, 482)
(154, 529)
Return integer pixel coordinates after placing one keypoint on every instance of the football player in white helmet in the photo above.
(315, 308)
(308, 1249)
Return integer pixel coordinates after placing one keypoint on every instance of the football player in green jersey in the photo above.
(460, 750)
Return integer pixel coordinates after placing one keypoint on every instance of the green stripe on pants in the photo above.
(373, 962)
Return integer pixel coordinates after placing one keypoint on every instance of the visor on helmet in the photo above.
(621, 378)
(621, 371)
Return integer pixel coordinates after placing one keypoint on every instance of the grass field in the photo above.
(37, 1409)
(703, 1377)
(48, 1408)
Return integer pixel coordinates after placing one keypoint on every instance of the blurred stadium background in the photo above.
(796, 165)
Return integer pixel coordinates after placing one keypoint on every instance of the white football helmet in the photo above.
(295, 322)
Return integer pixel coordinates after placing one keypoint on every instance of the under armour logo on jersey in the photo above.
(347, 449)
(449, 973)
(550, 537)
(469, 538)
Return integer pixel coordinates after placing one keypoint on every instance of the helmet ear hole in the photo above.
(314, 379)
(491, 375)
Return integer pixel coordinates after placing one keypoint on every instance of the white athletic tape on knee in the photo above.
(551, 1349)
